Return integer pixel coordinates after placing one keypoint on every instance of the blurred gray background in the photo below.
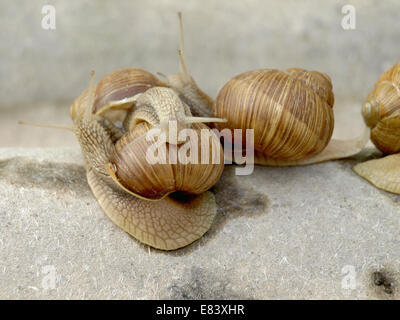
(42, 71)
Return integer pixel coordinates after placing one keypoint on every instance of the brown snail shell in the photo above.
(381, 112)
(291, 114)
(117, 86)
(290, 111)
(155, 181)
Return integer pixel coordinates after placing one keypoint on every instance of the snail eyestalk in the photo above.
(181, 52)
(46, 125)
(91, 93)
(203, 120)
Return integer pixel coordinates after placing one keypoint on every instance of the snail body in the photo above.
(164, 205)
(114, 157)
(290, 112)
(381, 112)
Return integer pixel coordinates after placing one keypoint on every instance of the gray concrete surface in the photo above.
(296, 232)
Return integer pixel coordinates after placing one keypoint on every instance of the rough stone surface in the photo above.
(280, 233)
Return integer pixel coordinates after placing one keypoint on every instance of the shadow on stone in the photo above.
(198, 283)
(59, 177)
(234, 199)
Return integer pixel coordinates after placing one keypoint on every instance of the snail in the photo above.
(164, 205)
(381, 112)
(290, 112)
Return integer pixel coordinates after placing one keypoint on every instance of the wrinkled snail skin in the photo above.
(290, 112)
(381, 112)
(167, 224)
(199, 102)
(383, 173)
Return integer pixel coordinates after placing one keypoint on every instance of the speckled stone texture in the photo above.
(318, 231)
